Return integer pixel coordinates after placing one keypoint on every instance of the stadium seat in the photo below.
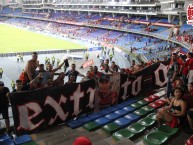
(155, 138)
(190, 141)
(142, 102)
(140, 112)
(146, 122)
(85, 119)
(91, 126)
(129, 109)
(120, 106)
(74, 123)
(166, 130)
(4, 137)
(136, 128)
(133, 117)
(152, 116)
(112, 116)
(110, 109)
(123, 133)
(94, 115)
(147, 108)
(104, 112)
(129, 101)
(161, 102)
(22, 139)
(155, 105)
(7, 142)
(136, 105)
(102, 121)
(30, 143)
(121, 112)
(151, 98)
(123, 122)
(110, 128)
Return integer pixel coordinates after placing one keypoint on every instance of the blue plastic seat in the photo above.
(74, 124)
(102, 121)
(123, 122)
(22, 139)
(7, 142)
(104, 112)
(4, 137)
(94, 115)
(132, 117)
(112, 109)
(120, 106)
(112, 116)
(121, 112)
(129, 109)
(130, 101)
(84, 119)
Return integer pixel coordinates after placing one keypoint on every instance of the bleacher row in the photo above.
(125, 120)
(128, 120)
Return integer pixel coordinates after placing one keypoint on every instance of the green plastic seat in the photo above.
(166, 130)
(110, 128)
(146, 122)
(147, 108)
(91, 126)
(155, 138)
(136, 105)
(140, 112)
(30, 143)
(123, 133)
(152, 116)
(142, 102)
(136, 128)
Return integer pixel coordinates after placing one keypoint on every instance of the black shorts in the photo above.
(190, 113)
(4, 112)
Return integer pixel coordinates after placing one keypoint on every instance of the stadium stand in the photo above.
(151, 40)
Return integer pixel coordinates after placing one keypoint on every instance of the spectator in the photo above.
(45, 74)
(172, 73)
(72, 79)
(190, 70)
(29, 71)
(175, 112)
(87, 77)
(36, 83)
(66, 65)
(19, 86)
(4, 105)
(60, 80)
(74, 72)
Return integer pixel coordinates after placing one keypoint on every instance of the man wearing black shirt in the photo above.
(74, 72)
(4, 104)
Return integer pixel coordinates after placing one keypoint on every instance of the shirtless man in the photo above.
(30, 68)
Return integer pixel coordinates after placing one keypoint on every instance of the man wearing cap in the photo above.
(105, 97)
(4, 104)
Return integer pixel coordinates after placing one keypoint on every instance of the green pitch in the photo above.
(17, 40)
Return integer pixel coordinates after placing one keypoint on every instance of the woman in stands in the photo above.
(173, 114)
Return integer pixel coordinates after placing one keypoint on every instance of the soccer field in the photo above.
(17, 40)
